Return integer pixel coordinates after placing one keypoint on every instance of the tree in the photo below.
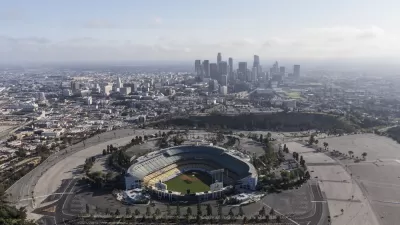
(364, 155)
(209, 210)
(178, 210)
(272, 212)
(261, 138)
(311, 140)
(189, 211)
(269, 135)
(316, 142)
(158, 212)
(231, 213)
(342, 210)
(168, 210)
(351, 154)
(326, 145)
(128, 211)
(148, 211)
(137, 212)
(117, 213)
(278, 219)
(104, 152)
(199, 212)
(107, 212)
(245, 220)
(87, 209)
(240, 213)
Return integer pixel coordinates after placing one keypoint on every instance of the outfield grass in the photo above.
(195, 181)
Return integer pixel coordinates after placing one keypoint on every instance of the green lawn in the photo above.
(295, 95)
(196, 181)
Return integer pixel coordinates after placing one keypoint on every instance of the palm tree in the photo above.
(351, 154)
(240, 213)
(168, 210)
(209, 210)
(158, 212)
(128, 211)
(231, 213)
(189, 211)
(262, 211)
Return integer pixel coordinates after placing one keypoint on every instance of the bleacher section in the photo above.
(166, 164)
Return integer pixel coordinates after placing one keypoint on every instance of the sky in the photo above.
(183, 30)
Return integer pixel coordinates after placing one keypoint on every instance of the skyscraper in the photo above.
(223, 68)
(275, 68)
(242, 71)
(206, 68)
(214, 71)
(197, 67)
(119, 82)
(230, 62)
(254, 73)
(224, 80)
(296, 70)
(256, 62)
(219, 58)
(282, 70)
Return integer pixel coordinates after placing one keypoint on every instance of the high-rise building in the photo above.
(242, 71)
(223, 90)
(125, 90)
(296, 70)
(214, 71)
(224, 80)
(219, 58)
(212, 85)
(75, 86)
(256, 62)
(106, 89)
(230, 62)
(254, 74)
(223, 68)
(197, 67)
(119, 83)
(275, 68)
(206, 68)
(282, 70)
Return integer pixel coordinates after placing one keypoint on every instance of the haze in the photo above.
(96, 31)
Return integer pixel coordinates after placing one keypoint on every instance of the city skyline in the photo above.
(82, 31)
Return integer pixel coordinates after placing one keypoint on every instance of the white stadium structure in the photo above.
(228, 169)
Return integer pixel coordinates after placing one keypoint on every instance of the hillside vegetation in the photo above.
(276, 121)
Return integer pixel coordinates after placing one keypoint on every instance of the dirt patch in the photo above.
(189, 178)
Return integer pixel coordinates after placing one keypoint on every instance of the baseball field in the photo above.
(195, 181)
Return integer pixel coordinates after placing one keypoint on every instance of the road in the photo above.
(23, 188)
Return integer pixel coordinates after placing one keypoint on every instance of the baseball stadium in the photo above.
(195, 172)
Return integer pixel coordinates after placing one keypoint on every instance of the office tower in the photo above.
(197, 67)
(119, 83)
(223, 68)
(254, 73)
(230, 62)
(213, 85)
(296, 70)
(275, 68)
(132, 86)
(213, 71)
(219, 58)
(206, 68)
(106, 89)
(223, 90)
(256, 62)
(282, 70)
(242, 71)
(224, 80)
(125, 90)
(75, 86)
